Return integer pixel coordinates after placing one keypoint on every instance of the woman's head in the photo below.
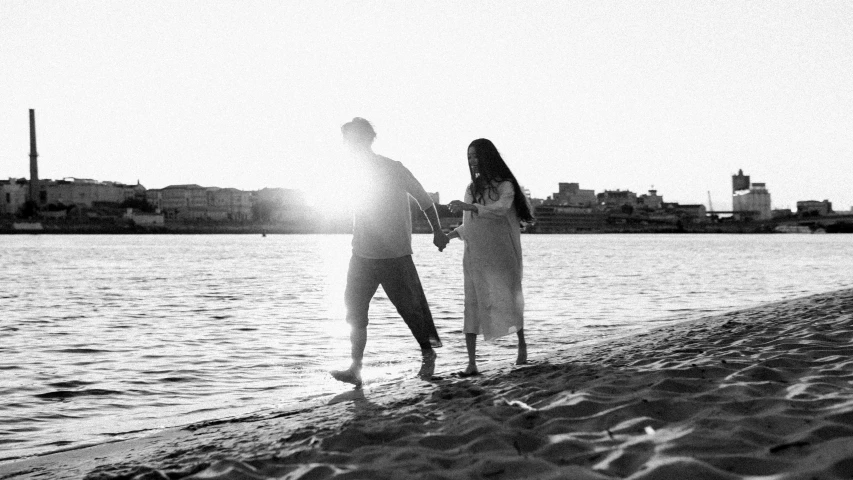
(487, 169)
(484, 158)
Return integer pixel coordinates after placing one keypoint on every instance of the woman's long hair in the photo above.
(491, 170)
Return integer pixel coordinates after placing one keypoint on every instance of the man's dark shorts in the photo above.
(401, 283)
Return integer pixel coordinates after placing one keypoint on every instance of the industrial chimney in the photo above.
(34, 166)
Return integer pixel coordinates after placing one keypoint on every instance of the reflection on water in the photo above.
(105, 335)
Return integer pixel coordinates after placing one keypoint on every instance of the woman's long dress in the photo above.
(492, 265)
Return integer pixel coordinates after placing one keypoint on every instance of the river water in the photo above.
(106, 337)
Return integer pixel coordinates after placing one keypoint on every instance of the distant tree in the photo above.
(262, 210)
(138, 204)
(58, 207)
(444, 211)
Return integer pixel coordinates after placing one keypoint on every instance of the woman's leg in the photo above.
(522, 349)
(471, 345)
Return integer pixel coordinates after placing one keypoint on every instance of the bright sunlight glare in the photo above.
(335, 262)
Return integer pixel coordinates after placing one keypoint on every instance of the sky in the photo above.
(631, 95)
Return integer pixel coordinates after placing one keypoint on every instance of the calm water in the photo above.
(105, 337)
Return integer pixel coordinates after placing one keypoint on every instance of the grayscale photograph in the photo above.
(437, 240)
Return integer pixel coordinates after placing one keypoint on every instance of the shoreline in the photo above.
(761, 391)
(123, 228)
(260, 231)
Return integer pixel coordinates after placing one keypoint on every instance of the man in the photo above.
(382, 249)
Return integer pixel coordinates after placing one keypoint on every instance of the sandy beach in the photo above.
(760, 393)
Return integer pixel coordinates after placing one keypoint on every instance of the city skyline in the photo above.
(606, 94)
(550, 197)
(741, 184)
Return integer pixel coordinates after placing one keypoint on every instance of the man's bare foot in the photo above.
(427, 365)
(522, 355)
(349, 375)
(469, 371)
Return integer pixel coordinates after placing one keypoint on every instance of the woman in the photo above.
(492, 210)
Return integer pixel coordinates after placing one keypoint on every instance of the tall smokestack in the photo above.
(34, 166)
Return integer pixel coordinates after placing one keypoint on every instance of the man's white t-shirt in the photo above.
(382, 221)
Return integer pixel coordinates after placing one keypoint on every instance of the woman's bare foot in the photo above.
(470, 371)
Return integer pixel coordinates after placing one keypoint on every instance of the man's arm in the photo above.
(416, 190)
(439, 239)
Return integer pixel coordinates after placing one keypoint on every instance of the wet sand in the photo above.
(761, 392)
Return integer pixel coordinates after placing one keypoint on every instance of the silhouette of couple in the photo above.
(492, 208)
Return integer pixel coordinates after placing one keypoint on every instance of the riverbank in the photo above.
(112, 228)
(761, 391)
(607, 225)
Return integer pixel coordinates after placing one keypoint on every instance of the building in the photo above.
(697, 213)
(84, 192)
(617, 198)
(173, 199)
(574, 210)
(144, 219)
(813, 207)
(568, 219)
(651, 201)
(740, 182)
(191, 202)
(570, 194)
(154, 197)
(13, 195)
(781, 213)
(229, 204)
(68, 192)
(754, 203)
(750, 200)
(56, 195)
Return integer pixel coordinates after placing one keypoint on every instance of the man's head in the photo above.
(358, 134)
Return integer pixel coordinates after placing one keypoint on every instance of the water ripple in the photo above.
(153, 331)
(65, 394)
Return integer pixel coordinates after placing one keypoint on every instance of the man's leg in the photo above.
(428, 358)
(358, 340)
(361, 285)
(403, 286)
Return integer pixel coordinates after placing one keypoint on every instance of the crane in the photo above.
(711, 215)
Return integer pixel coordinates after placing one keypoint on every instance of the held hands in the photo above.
(457, 206)
(440, 240)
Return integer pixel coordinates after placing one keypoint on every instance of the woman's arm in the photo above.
(501, 207)
(460, 206)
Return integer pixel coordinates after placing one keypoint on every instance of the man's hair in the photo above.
(361, 128)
